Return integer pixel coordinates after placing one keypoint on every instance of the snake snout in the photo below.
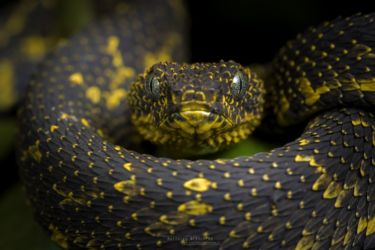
(193, 95)
(195, 119)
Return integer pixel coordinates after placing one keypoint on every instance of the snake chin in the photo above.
(200, 132)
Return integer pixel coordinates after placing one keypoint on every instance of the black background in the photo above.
(252, 31)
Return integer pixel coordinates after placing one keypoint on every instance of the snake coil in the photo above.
(313, 193)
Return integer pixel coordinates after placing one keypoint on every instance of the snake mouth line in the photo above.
(200, 124)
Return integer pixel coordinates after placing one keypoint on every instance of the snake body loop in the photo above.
(313, 193)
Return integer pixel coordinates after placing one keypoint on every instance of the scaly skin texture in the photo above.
(313, 193)
(328, 66)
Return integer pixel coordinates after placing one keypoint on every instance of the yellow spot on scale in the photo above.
(198, 184)
(362, 225)
(128, 166)
(206, 235)
(251, 171)
(219, 161)
(53, 128)
(274, 211)
(332, 191)
(311, 95)
(240, 206)
(159, 243)
(289, 194)
(85, 122)
(195, 208)
(134, 216)
(367, 85)
(305, 243)
(271, 237)
(93, 93)
(348, 237)
(110, 208)
(127, 187)
(360, 121)
(341, 197)
(34, 151)
(311, 160)
(356, 122)
(159, 181)
(227, 197)
(58, 237)
(222, 220)
(198, 197)
(303, 142)
(240, 183)
(175, 219)
(247, 216)
(370, 226)
(322, 182)
(357, 190)
(64, 116)
(278, 185)
(265, 177)
(233, 234)
(76, 78)
(112, 45)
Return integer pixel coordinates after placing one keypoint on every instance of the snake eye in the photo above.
(152, 86)
(239, 84)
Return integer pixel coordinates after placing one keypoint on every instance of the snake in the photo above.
(127, 75)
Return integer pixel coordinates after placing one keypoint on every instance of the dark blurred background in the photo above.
(247, 31)
(251, 31)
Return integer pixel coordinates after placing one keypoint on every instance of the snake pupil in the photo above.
(238, 85)
(153, 86)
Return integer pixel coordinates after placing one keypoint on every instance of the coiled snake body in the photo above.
(313, 193)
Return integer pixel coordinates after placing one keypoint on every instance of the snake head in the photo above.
(199, 106)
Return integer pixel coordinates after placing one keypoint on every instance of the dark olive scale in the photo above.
(313, 193)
